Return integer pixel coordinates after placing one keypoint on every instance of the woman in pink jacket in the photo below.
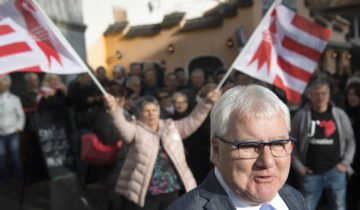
(155, 169)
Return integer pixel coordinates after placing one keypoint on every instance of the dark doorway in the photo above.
(208, 63)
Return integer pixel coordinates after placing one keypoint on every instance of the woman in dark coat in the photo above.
(352, 108)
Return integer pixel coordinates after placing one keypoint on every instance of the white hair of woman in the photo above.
(141, 102)
(178, 94)
(118, 68)
(255, 101)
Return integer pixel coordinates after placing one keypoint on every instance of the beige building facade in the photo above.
(213, 40)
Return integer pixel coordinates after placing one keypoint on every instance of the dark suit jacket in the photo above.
(211, 196)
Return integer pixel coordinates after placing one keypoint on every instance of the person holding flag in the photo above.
(155, 170)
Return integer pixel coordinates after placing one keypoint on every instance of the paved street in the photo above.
(36, 197)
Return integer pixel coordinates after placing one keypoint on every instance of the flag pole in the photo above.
(257, 30)
(68, 46)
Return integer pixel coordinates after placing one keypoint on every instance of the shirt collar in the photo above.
(277, 202)
(5, 94)
(4, 97)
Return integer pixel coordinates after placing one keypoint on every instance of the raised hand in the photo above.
(213, 96)
(110, 102)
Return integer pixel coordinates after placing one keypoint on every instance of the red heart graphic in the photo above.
(329, 127)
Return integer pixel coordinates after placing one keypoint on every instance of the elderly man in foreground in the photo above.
(251, 150)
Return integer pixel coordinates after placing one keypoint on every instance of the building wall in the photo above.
(209, 41)
(96, 55)
(188, 45)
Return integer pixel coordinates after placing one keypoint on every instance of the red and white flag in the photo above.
(284, 51)
(29, 43)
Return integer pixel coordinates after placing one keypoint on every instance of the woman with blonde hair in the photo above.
(50, 85)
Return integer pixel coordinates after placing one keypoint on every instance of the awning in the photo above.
(337, 44)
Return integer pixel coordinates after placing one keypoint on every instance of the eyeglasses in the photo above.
(252, 149)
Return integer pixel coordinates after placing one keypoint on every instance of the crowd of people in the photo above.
(171, 143)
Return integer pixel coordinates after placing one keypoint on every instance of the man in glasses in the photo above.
(251, 150)
(166, 107)
(326, 148)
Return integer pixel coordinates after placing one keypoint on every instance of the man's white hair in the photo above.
(118, 68)
(254, 101)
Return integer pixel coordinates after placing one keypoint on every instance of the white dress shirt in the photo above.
(277, 202)
(12, 115)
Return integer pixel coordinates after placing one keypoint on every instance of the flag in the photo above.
(29, 43)
(284, 51)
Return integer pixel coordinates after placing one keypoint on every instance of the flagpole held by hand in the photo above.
(68, 46)
(257, 30)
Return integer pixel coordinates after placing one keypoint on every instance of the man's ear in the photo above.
(215, 150)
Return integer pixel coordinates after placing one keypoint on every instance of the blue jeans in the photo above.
(12, 143)
(334, 183)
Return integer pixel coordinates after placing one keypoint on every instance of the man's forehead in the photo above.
(320, 88)
(240, 126)
(236, 118)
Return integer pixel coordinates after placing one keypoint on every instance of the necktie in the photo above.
(266, 207)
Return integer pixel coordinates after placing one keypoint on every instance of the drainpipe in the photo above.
(356, 27)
